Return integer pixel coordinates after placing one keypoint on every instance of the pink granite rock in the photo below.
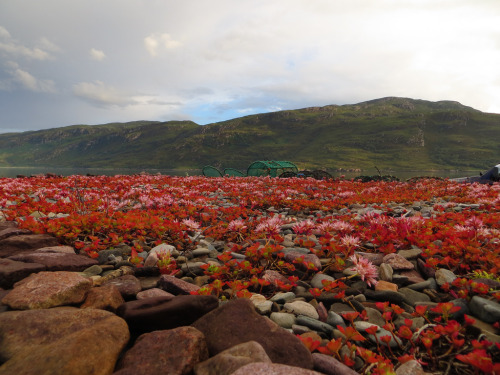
(25, 243)
(259, 368)
(176, 286)
(398, 262)
(48, 289)
(12, 271)
(55, 261)
(106, 297)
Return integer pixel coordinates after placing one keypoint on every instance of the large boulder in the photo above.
(62, 340)
(13, 245)
(237, 322)
(160, 313)
(12, 271)
(56, 261)
(173, 352)
(48, 289)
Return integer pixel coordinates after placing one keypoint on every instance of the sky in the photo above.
(100, 61)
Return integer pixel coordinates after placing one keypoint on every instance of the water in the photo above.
(28, 171)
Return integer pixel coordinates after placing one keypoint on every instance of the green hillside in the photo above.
(397, 133)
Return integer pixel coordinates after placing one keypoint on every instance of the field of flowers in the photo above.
(457, 226)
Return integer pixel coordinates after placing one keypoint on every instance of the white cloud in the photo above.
(102, 95)
(29, 82)
(4, 34)
(156, 41)
(96, 54)
(13, 48)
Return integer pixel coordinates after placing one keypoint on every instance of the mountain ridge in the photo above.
(390, 132)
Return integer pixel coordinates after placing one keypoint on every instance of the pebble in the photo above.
(301, 308)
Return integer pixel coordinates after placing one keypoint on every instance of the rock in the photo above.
(301, 308)
(174, 351)
(260, 368)
(160, 313)
(48, 289)
(54, 261)
(413, 276)
(12, 271)
(284, 320)
(316, 281)
(228, 361)
(94, 270)
(153, 292)
(411, 253)
(237, 322)
(385, 272)
(328, 365)
(128, 285)
(62, 340)
(14, 245)
(176, 286)
(410, 368)
(106, 297)
(335, 319)
(414, 297)
(385, 295)
(274, 277)
(56, 249)
(444, 276)
(315, 324)
(290, 256)
(486, 310)
(12, 231)
(386, 286)
(282, 297)
(397, 262)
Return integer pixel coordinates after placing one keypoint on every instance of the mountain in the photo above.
(389, 133)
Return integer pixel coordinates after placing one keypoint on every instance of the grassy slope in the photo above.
(393, 133)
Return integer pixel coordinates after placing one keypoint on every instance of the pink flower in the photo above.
(191, 224)
(271, 225)
(350, 241)
(365, 269)
(236, 225)
(303, 227)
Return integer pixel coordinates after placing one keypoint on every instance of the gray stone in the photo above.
(282, 297)
(486, 310)
(284, 320)
(444, 276)
(314, 324)
(335, 319)
(301, 308)
(316, 281)
(385, 272)
(413, 297)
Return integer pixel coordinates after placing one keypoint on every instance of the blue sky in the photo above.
(100, 61)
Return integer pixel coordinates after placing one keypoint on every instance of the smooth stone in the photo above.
(427, 284)
(264, 308)
(413, 276)
(385, 272)
(486, 310)
(152, 293)
(14, 245)
(57, 261)
(176, 351)
(51, 341)
(375, 316)
(444, 276)
(411, 253)
(328, 365)
(413, 297)
(260, 368)
(161, 313)
(385, 295)
(275, 278)
(385, 286)
(316, 281)
(128, 285)
(176, 286)
(301, 308)
(44, 290)
(283, 297)
(93, 270)
(228, 361)
(12, 271)
(285, 320)
(314, 324)
(397, 262)
(106, 297)
(411, 367)
(192, 268)
(335, 320)
(222, 331)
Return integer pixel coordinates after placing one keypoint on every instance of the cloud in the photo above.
(13, 48)
(101, 95)
(97, 54)
(31, 83)
(155, 41)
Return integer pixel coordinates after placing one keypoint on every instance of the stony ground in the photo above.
(65, 313)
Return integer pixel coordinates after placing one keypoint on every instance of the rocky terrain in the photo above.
(64, 313)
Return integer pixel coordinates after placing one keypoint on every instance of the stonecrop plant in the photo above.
(458, 229)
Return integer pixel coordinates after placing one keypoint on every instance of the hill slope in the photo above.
(396, 133)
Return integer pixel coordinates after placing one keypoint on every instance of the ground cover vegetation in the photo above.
(97, 213)
(440, 135)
